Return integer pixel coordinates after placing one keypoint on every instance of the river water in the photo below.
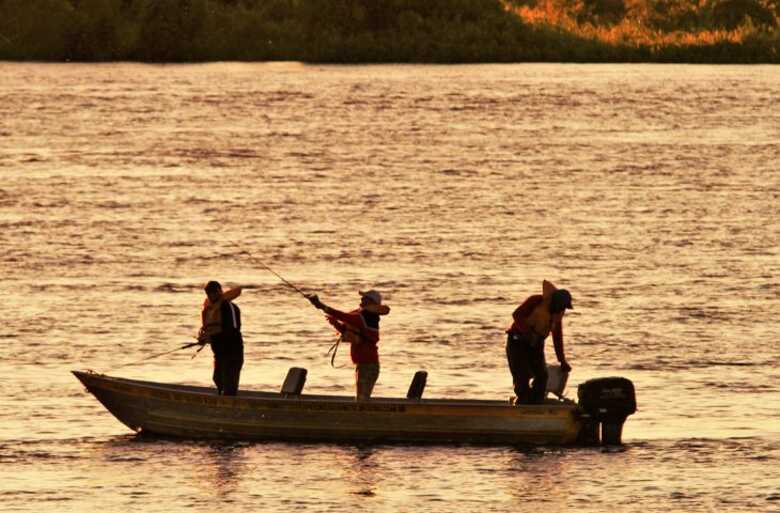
(651, 192)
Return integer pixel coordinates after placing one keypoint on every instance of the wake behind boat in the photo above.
(195, 412)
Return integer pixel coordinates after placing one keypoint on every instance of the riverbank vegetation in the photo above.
(702, 31)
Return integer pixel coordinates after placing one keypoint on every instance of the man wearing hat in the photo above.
(360, 328)
(534, 319)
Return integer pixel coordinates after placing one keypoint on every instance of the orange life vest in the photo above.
(212, 318)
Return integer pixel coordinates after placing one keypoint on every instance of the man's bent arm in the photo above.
(231, 294)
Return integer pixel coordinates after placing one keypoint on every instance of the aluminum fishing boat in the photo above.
(195, 412)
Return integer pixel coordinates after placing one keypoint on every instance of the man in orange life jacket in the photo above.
(539, 315)
(360, 328)
(222, 329)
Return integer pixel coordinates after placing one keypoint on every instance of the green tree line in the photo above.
(441, 31)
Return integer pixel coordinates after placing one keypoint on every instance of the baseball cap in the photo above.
(561, 300)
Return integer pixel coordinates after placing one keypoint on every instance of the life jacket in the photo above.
(215, 320)
(537, 321)
(541, 320)
(367, 333)
(212, 318)
(351, 335)
(231, 319)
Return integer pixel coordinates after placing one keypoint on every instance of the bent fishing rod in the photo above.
(157, 355)
(267, 268)
(333, 348)
(296, 289)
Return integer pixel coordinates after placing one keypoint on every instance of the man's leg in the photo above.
(217, 374)
(516, 355)
(539, 369)
(366, 375)
(232, 373)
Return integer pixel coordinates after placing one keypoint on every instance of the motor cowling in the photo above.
(607, 402)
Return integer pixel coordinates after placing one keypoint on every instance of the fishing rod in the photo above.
(157, 355)
(333, 348)
(296, 289)
(268, 268)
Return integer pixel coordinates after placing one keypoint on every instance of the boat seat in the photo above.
(417, 386)
(293, 383)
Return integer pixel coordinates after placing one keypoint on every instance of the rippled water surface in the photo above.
(651, 192)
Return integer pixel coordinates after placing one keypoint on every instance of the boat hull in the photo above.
(198, 413)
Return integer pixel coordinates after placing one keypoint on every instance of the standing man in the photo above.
(222, 329)
(539, 315)
(360, 328)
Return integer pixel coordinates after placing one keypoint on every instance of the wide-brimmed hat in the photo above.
(374, 305)
(372, 295)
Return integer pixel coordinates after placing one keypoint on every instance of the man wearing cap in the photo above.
(534, 319)
(360, 328)
(222, 329)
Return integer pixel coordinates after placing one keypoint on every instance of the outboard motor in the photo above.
(606, 402)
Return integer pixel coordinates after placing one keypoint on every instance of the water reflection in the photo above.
(569, 478)
(531, 472)
(544, 474)
(222, 468)
(362, 471)
(212, 470)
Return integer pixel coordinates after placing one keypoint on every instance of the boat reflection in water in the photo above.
(197, 413)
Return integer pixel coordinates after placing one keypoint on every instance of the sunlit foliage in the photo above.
(391, 30)
(668, 30)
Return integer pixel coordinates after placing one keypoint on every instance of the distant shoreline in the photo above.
(381, 32)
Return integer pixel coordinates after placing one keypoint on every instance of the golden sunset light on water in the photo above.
(244, 272)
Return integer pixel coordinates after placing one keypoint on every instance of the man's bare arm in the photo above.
(231, 294)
